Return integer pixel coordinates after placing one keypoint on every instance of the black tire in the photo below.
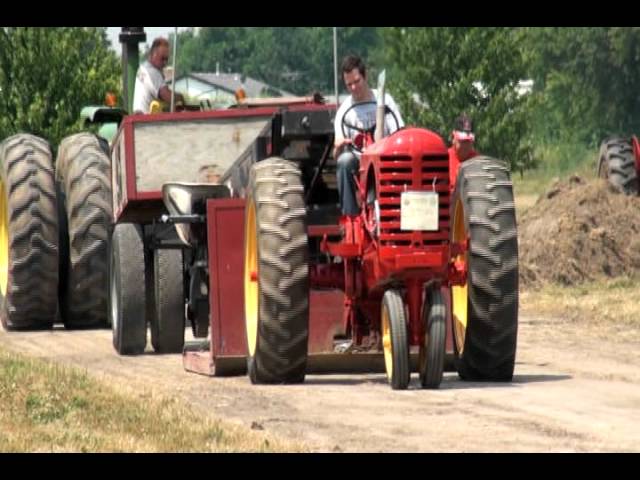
(167, 325)
(84, 174)
(29, 253)
(127, 296)
(431, 364)
(395, 341)
(277, 299)
(483, 211)
(617, 164)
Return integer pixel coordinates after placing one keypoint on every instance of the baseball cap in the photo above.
(463, 128)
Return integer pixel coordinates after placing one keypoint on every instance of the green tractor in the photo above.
(56, 219)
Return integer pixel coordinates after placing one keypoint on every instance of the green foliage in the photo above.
(438, 73)
(48, 74)
(295, 59)
(587, 81)
(555, 160)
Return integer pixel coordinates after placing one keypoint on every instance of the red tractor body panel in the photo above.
(227, 349)
(410, 160)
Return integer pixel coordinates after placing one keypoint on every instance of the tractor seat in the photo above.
(183, 198)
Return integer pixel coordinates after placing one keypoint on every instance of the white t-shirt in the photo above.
(364, 116)
(149, 80)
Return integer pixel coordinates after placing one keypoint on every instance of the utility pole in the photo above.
(335, 64)
(173, 80)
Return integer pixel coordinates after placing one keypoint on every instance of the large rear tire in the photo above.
(83, 173)
(485, 309)
(276, 274)
(127, 295)
(28, 234)
(167, 323)
(617, 164)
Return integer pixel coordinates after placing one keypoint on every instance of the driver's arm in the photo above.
(394, 108)
(339, 144)
(165, 95)
(340, 141)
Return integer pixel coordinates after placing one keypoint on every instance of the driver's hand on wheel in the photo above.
(340, 144)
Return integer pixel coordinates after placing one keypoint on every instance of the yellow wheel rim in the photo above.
(386, 341)
(460, 293)
(250, 277)
(4, 240)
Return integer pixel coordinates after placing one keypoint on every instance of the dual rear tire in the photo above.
(29, 252)
(83, 176)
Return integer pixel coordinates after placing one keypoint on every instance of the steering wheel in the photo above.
(372, 129)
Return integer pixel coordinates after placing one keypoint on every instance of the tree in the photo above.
(295, 59)
(438, 73)
(587, 81)
(48, 74)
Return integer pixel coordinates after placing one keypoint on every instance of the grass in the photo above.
(604, 305)
(47, 407)
(557, 161)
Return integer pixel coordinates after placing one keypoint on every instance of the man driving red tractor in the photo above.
(359, 110)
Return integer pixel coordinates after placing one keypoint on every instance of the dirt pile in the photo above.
(577, 231)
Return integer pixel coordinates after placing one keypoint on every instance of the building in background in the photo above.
(219, 89)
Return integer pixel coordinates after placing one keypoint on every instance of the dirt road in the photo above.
(572, 391)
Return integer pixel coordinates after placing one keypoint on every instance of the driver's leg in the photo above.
(346, 167)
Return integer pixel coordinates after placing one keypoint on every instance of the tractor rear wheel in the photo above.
(617, 163)
(485, 309)
(276, 273)
(431, 357)
(83, 173)
(395, 342)
(167, 323)
(28, 234)
(127, 296)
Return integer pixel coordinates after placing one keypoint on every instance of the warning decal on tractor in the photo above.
(419, 211)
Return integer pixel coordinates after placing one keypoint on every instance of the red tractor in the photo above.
(619, 163)
(412, 244)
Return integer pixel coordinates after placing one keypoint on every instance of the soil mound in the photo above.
(578, 231)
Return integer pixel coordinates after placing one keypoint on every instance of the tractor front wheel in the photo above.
(431, 357)
(395, 342)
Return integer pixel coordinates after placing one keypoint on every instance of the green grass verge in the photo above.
(602, 303)
(556, 161)
(51, 408)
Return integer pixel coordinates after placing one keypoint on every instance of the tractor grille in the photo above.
(404, 173)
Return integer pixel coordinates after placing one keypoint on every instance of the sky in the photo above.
(152, 32)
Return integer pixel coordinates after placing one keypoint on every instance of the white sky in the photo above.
(152, 32)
